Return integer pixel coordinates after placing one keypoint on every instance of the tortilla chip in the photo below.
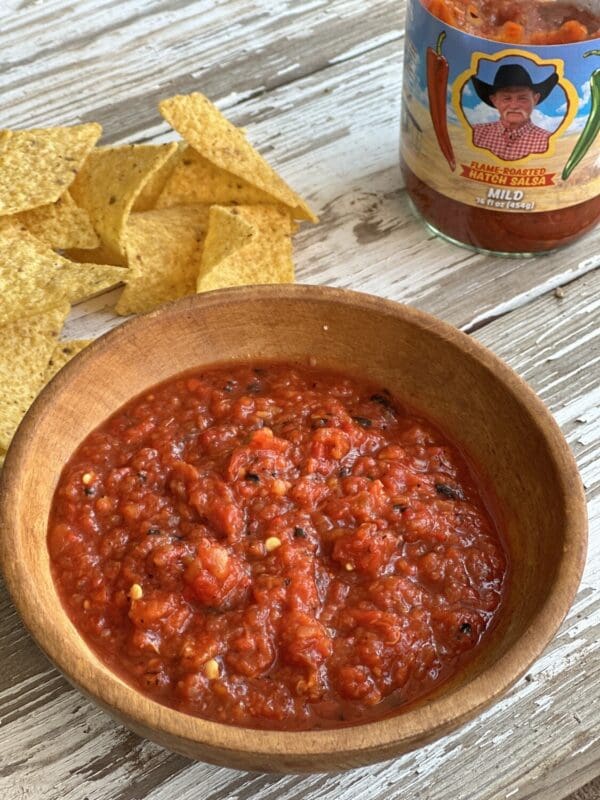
(63, 352)
(37, 166)
(99, 255)
(25, 348)
(81, 281)
(108, 185)
(152, 189)
(195, 180)
(257, 251)
(227, 233)
(33, 278)
(203, 126)
(61, 225)
(164, 249)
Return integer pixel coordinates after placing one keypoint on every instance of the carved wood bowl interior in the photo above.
(473, 397)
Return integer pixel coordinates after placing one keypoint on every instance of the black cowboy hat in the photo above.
(513, 75)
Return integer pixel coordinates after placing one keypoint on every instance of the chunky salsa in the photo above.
(519, 21)
(275, 546)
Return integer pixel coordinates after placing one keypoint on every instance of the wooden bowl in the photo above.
(473, 397)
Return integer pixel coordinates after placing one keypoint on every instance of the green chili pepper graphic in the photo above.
(592, 125)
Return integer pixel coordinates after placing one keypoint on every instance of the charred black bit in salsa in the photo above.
(154, 531)
(449, 491)
(299, 533)
(466, 629)
(382, 399)
(253, 477)
(364, 422)
(89, 491)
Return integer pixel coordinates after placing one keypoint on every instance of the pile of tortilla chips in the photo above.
(165, 220)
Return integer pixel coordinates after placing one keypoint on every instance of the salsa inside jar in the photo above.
(276, 546)
(522, 21)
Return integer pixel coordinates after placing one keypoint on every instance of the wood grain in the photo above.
(318, 86)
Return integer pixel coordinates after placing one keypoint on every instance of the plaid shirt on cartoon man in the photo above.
(510, 144)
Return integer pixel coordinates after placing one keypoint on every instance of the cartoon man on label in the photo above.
(514, 95)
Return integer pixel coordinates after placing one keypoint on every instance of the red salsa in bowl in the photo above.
(276, 546)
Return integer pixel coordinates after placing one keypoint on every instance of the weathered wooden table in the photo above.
(317, 85)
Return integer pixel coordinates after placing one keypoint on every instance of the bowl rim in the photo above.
(423, 723)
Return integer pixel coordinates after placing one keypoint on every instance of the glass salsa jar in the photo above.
(500, 145)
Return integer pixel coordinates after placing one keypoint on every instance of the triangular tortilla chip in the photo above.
(227, 233)
(61, 225)
(164, 249)
(109, 183)
(37, 166)
(34, 278)
(246, 245)
(25, 348)
(79, 282)
(152, 189)
(203, 126)
(195, 180)
(63, 352)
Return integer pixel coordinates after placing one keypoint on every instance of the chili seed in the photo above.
(272, 543)
(136, 592)
(211, 669)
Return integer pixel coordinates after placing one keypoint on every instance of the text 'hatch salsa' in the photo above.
(501, 120)
(275, 546)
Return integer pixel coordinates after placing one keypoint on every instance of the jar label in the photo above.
(494, 125)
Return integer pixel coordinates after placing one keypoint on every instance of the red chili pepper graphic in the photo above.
(437, 86)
